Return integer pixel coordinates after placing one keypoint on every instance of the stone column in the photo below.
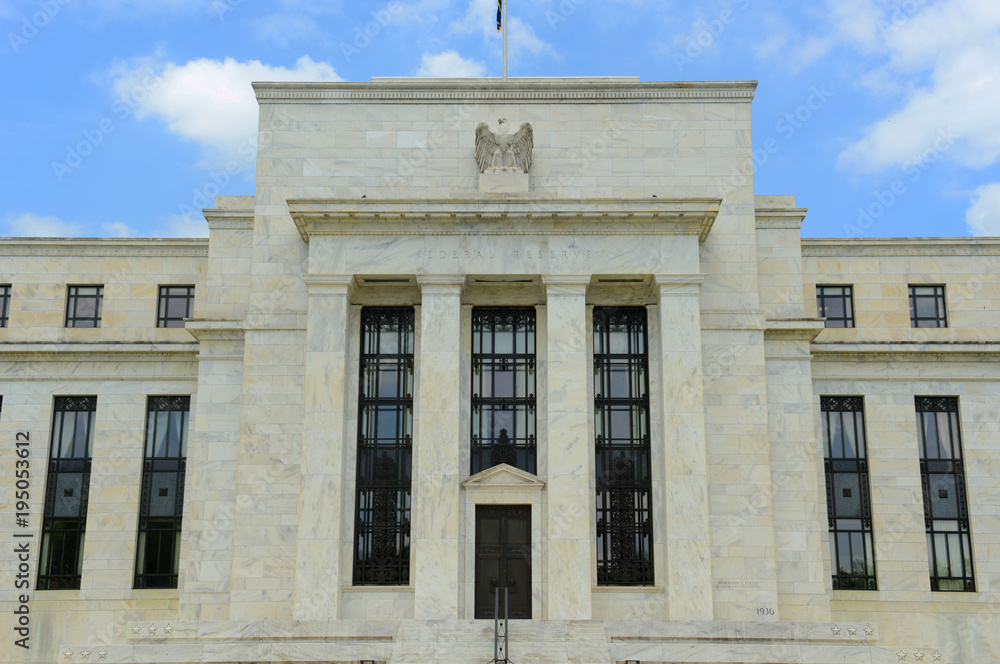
(688, 537)
(318, 579)
(437, 444)
(570, 493)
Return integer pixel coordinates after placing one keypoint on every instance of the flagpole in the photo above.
(504, 25)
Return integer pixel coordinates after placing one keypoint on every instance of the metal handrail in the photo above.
(500, 655)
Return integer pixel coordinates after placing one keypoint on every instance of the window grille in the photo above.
(946, 511)
(4, 304)
(83, 306)
(385, 447)
(161, 503)
(503, 387)
(836, 305)
(622, 459)
(67, 488)
(848, 496)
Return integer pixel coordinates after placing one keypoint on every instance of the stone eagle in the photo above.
(501, 152)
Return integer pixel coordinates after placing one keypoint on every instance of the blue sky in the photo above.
(124, 117)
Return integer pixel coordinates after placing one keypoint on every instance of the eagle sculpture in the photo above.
(502, 153)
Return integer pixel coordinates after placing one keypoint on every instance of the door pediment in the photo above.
(503, 476)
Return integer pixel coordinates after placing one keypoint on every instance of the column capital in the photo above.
(330, 284)
(441, 284)
(565, 284)
(670, 285)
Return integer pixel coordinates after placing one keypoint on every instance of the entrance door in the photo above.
(503, 559)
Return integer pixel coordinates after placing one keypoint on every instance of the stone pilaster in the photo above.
(318, 580)
(688, 536)
(437, 446)
(570, 491)
(213, 451)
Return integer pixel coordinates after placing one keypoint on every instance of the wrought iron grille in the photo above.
(836, 305)
(622, 460)
(175, 304)
(161, 503)
(848, 496)
(83, 306)
(946, 510)
(385, 447)
(503, 387)
(4, 304)
(927, 307)
(67, 488)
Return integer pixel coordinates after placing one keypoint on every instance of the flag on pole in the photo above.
(499, 14)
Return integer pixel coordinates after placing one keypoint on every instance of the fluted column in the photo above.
(318, 579)
(437, 445)
(570, 473)
(688, 538)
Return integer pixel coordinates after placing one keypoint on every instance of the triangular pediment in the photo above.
(503, 475)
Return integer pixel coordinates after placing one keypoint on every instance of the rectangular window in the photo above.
(503, 387)
(4, 304)
(848, 497)
(67, 487)
(161, 501)
(83, 306)
(176, 303)
(622, 460)
(385, 448)
(836, 305)
(927, 307)
(946, 511)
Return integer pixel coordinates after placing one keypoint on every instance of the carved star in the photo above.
(836, 629)
(869, 630)
(919, 656)
(102, 653)
(936, 656)
(168, 629)
(901, 655)
(151, 629)
(852, 630)
(85, 653)
(68, 653)
(136, 629)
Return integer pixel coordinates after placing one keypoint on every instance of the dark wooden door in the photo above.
(503, 559)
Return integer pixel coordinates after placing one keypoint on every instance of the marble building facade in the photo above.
(813, 463)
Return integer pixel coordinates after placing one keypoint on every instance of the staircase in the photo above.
(530, 642)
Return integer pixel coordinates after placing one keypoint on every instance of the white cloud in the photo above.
(180, 225)
(119, 229)
(28, 224)
(945, 58)
(480, 16)
(449, 65)
(983, 216)
(208, 101)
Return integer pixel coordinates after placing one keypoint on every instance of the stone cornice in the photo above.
(517, 90)
(907, 352)
(97, 352)
(506, 217)
(221, 218)
(799, 329)
(114, 247)
(780, 218)
(901, 246)
(215, 330)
